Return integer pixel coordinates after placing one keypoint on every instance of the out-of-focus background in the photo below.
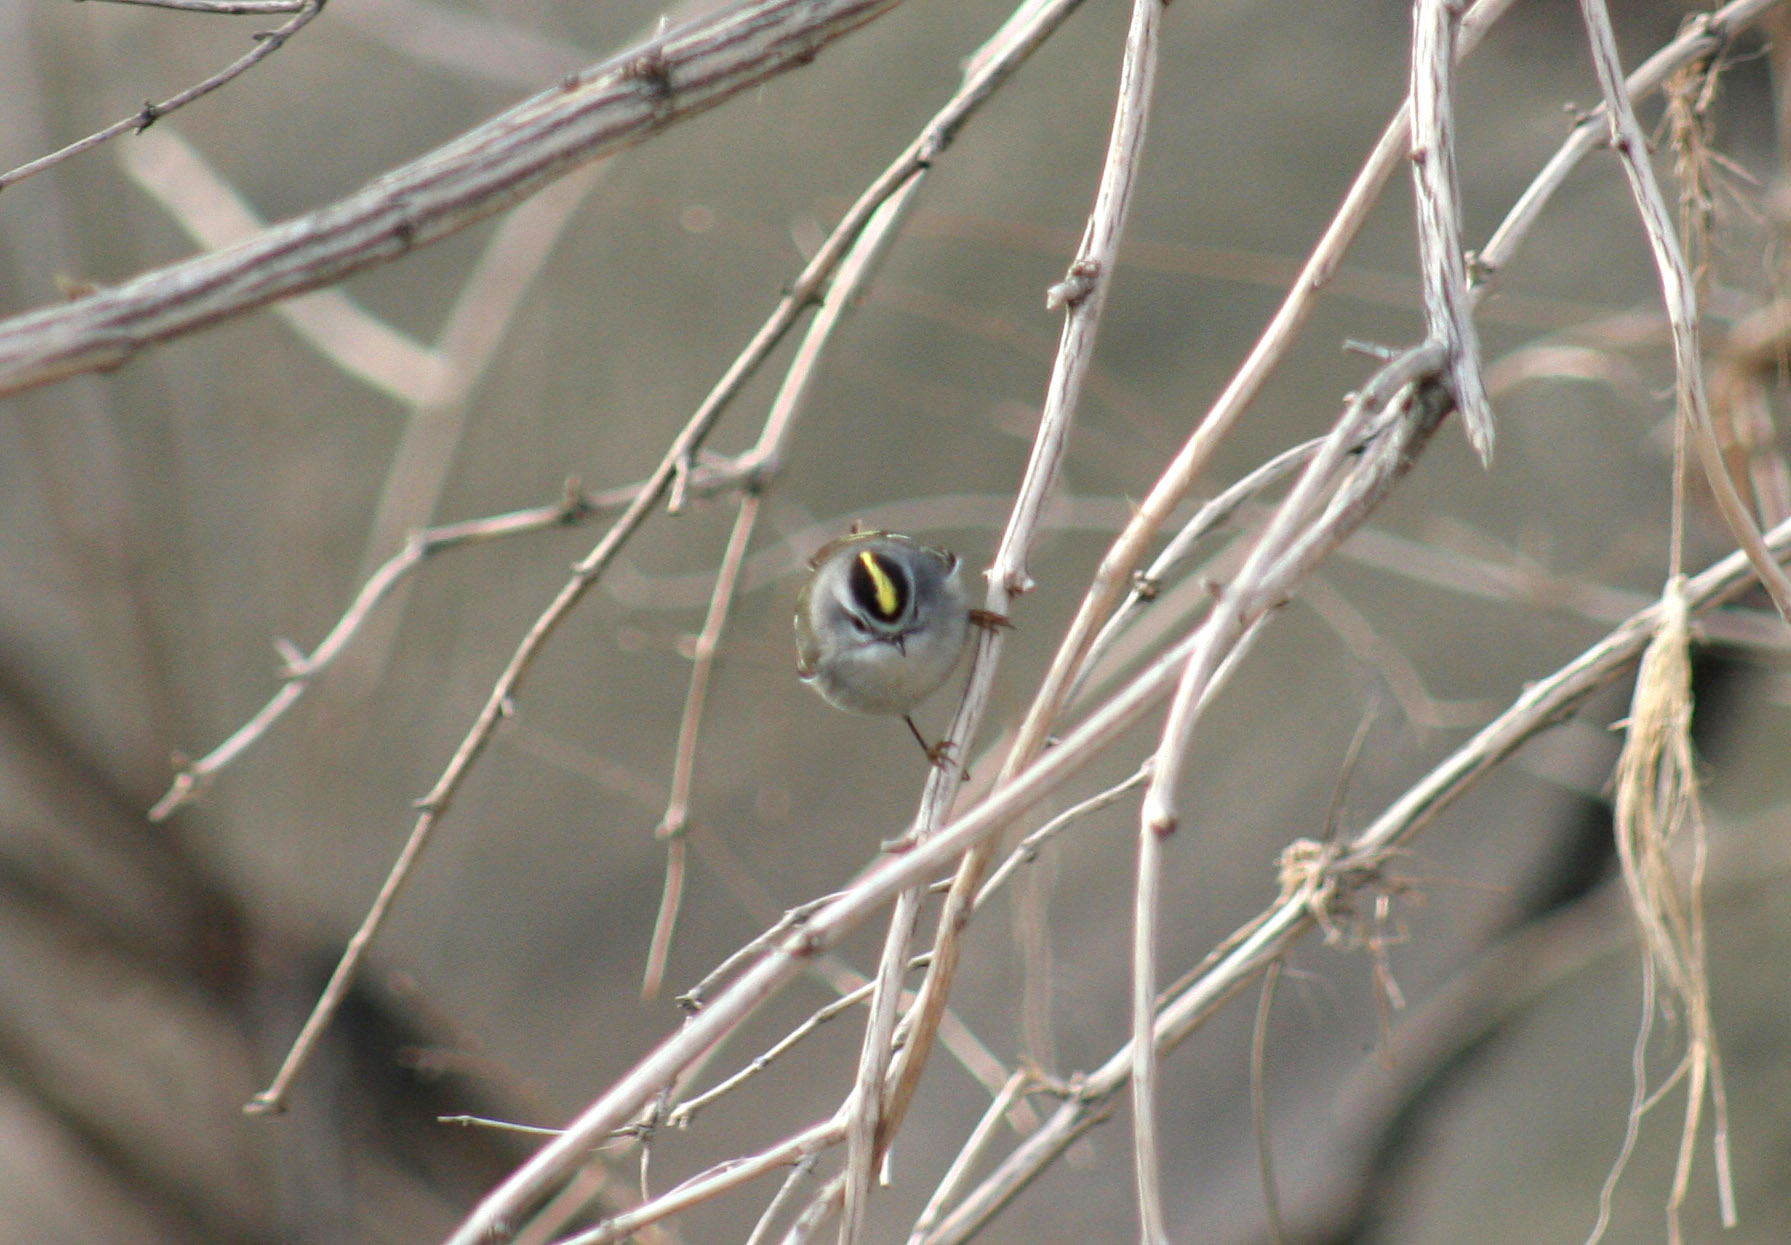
(163, 526)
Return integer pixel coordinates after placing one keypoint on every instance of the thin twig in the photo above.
(671, 77)
(1679, 292)
(1147, 1170)
(726, 1175)
(300, 670)
(1259, 1106)
(1147, 586)
(267, 42)
(1028, 848)
(786, 1193)
(1696, 40)
(686, 1111)
(235, 8)
(676, 819)
(1447, 314)
(765, 461)
(970, 1153)
(1114, 574)
(1082, 294)
(1265, 938)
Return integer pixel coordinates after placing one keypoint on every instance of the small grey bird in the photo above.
(881, 623)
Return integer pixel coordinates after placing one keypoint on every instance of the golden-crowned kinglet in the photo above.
(881, 623)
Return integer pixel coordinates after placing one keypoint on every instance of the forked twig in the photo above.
(671, 77)
(882, 1091)
(299, 670)
(1447, 313)
(1265, 939)
(267, 42)
(1679, 292)
(1114, 575)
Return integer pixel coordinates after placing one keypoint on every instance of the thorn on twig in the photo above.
(293, 662)
(1077, 285)
(1372, 350)
(651, 68)
(264, 1103)
(574, 505)
(682, 470)
(72, 288)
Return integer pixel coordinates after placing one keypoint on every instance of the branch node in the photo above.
(1077, 285)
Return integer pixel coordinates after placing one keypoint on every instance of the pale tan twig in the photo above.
(1695, 40)
(1114, 575)
(970, 1153)
(236, 8)
(676, 465)
(300, 670)
(267, 42)
(1147, 1170)
(1027, 850)
(1448, 316)
(624, 100)
(1263, 940)
(1679, 292)
(1259, 1106)
(1072, 1119)
(676, 818)
(729, 1174)
(819, 1210)
(765, 459)
(1212, 514)
(685, 1111)
(1081, 295)
(786, 1193)
(1372, 475)
(1283, 554)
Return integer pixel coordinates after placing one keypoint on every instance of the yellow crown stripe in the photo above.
(889, 600)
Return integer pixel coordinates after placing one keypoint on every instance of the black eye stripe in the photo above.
(879, 586)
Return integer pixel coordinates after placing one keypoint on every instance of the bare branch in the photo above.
(1447, 315)
(302, 669)
(1263, 940)
(235, 8)
(1680, 293)
(266, 44)
(622, 101)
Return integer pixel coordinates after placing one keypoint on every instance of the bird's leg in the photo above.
(939, 754)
